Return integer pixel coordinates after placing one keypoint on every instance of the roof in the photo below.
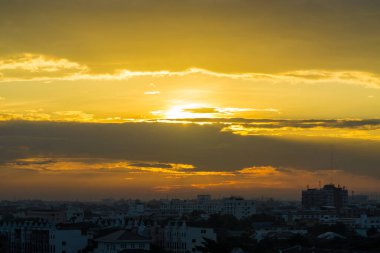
(330, 236)
(133, 251)
(280, 235)
(122, 236)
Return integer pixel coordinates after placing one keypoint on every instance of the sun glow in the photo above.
(186, 111)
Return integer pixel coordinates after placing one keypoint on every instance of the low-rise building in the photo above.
(74, 214)
(235, 206)
(55, 216)
(41, 236)
(366, 222)
(278, 232)
(180, 238)
(122, 241)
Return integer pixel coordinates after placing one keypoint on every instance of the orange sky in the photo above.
(160, 97)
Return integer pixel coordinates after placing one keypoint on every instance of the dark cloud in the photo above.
(205, 147)
(273, 123)
(151, 165)
(38, 162)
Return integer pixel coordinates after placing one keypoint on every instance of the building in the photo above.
(74, 214)
(55, 216)
(328, 196)
(358, 199)
(366, 222)
(135, 209)
(278, 232)
(238, 207)
(235, 206)
(122, 241)
(180, 238)
(41, 236)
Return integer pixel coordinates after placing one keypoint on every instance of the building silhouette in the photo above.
(327, 196)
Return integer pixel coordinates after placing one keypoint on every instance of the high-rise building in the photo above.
(327, 196)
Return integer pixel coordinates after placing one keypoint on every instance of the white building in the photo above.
(238, 207)
(180, 238)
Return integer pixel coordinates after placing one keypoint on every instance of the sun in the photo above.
(187, 111)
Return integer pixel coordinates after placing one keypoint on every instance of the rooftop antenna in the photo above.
(331, 162)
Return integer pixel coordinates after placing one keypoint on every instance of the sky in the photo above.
(161, 98)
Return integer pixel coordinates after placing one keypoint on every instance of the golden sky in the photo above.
(276, 86)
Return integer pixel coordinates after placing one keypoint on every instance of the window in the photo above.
(194, 240)
(63, 243)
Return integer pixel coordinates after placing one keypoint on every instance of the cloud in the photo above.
(366, 129)
(74, 116)
(194, 148)
(271, 181)
(201, 110)
(34, 161)
(32, 67)
(355, 77)
(285, 123)
(226, 110)
(211, 185)
(151, 165)
(195, 111)
(259, 171)
(231, 110)
(145, 159)
(154, 92)
(41, 115)
(24, 115)
(85, 165)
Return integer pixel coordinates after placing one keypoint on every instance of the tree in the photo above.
(371, 231)
(211, 246)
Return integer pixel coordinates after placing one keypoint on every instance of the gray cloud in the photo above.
(308, 123)
(205, 147)
(151, 165)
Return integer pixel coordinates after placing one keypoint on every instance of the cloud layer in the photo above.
(34, 67)
(204, 147)
(160, 158)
